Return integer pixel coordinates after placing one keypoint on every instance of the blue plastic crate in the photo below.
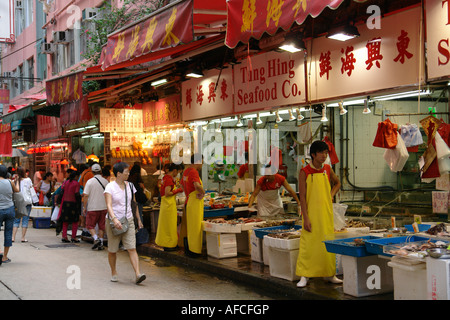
(346, 246)
(261, 232)
(422, 227)
(41, 223)
(376, 246)
(209, 213)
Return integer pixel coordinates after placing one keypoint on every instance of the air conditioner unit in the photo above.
(7, 74)
(61, 37)
(47, 48)
(90, 13)
(19, 4)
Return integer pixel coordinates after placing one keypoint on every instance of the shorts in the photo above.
(96, 217)
(128, 238)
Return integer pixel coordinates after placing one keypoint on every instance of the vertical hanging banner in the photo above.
(5, 139)
(165, 28)
(164, 111)
(252, 18)
(384, 58)
(438, 38)
(65, 89)
(7, 21)
(4, 96)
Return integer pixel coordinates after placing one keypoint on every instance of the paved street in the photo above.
(45, 268)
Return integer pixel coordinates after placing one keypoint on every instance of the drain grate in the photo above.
(61, 245)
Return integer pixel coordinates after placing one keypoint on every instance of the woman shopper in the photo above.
(25, 185)
(7, 212)
(136, 179)
(70, 206)
(118, 196)
(45, 188)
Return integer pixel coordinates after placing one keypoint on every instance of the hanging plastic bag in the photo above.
(396, 158)
(339, 210)
(55, 214)
(442, 154)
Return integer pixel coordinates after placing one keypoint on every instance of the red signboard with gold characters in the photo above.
(64, 89)
(165, 29)
(251, 18)
(161, 112)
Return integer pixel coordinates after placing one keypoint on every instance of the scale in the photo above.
(219, 176)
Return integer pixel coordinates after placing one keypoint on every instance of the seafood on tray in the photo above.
(438, 230)
(234, 221)
(416, 249)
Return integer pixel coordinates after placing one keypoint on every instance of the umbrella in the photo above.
(19, 153)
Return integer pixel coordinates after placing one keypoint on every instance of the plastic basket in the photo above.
(348, 248)
(261, 232)
(376, 246)
(209, 213)
(422, 227)
(41, 223)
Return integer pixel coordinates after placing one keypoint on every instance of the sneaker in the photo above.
(140, 278)
(97, 243)
(101, 247)
(114, 278)
(333, 279)
(302, 283)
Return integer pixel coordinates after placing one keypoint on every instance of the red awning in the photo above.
(251, 19)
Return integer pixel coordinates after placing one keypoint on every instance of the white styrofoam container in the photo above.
(360, 230)
(221, 245)
(221, 227)
(40, 212)
(266, 257)
(410, 281)
(256, 247)
(243, 242)
(366, 276)
(251, 225)
(438, 279)
(283, 263)
(286, 244)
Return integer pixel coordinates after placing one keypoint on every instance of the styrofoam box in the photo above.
(221, 227)
(286, 244)
(221, 245)
(251, 225)
(256, 247)
(266, 257)
(410, 281)
(41, 212)
(360, 230)
(366, 276)
(283, 263)
(438, 279)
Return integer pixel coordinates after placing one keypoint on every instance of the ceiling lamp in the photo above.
(159, 82)
(324, 114)
(219, 130)
(278, 118)
(366, 107)
(343, 33)
(258, 119)
(239, 122)
(291, 115)
(195, 73)
(300, 117)
(342, 110)
(293, 44)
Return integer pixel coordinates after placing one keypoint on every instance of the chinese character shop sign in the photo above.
(48, 127)
(120, 120)
(160, 31)
(209, 96)
(271, 79)
(251, 18)
(438, 38)
(164, 111)
(379, 59)
(65, 89)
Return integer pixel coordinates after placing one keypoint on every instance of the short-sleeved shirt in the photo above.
(310, 170)
(265, 184)
(190, 175)
(85, 176)
(118, 199)
(242, 170)
(167, 181)
(94, 189)
(70, 187)
(6, 194)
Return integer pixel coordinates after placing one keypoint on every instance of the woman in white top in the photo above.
(118, 196)
(45, 187)
(25, 185)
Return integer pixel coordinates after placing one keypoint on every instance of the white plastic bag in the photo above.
(55, 214)
(396, 158)
(442, 154)
(339, 210)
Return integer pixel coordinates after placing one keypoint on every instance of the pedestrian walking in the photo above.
(7, 212)
(70, 206)
(85, 175)
(95, 206)
(45, 188)
(25, 184)
(118, 196)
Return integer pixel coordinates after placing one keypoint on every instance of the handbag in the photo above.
(123, 221)
(19, 204)
(142, 236)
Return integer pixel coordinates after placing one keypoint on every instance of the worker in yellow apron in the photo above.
(167, 234)
(317, 217)
(193, 188)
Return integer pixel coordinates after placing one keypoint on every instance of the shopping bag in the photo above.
(55, 214)
(142, 236)
(41, 199)
(20, 205)
(339, 210)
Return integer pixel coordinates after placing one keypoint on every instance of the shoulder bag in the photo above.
(19, 203)
(123, 221)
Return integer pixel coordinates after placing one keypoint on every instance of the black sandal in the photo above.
(65, 240)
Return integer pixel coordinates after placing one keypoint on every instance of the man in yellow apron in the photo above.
(193, 188)
(166, 235)
(317, 217)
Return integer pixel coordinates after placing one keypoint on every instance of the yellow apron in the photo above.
(194, 218)
(166, 235)
(313, 258)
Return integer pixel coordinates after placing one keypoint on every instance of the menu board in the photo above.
(120, 120)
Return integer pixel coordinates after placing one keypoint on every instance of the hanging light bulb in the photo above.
(258, 119)
(300, 117)
(291, 115)
(239, 122)
(115, 132)
(342, 110)
(324, 114)
(366, 107)
(278, 118)
(219, 130)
